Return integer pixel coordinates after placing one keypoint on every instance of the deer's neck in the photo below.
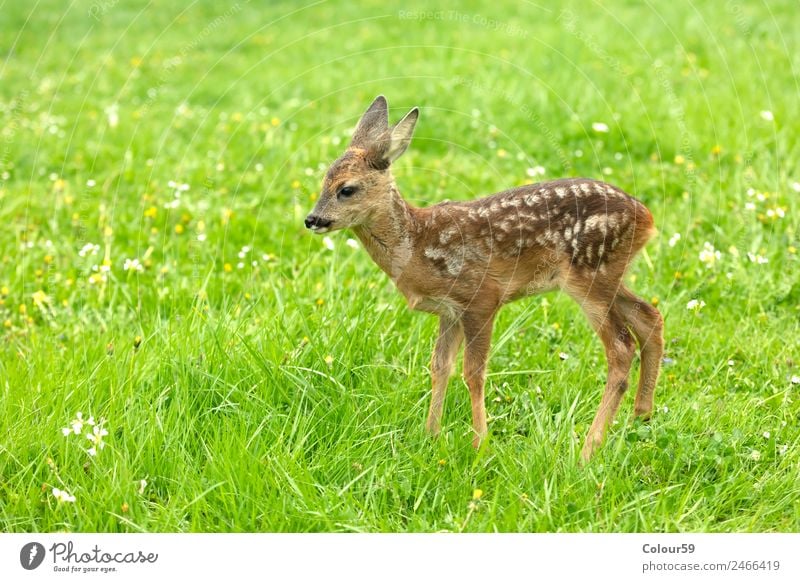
(388, 236)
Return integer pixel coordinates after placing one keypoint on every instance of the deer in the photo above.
(463, 260)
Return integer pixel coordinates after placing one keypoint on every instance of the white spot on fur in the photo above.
(446, 235)
(452, 260)
(597, 222)
(561, 192)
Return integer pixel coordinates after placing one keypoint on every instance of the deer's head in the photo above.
(359, 183)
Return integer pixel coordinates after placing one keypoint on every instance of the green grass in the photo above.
(289, 393)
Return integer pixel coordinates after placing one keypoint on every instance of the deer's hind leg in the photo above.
(598, 302)
(647, 325)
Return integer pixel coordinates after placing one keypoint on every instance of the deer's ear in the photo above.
(400, 135)
(373, 125)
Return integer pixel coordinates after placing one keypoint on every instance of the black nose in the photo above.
(312, 221)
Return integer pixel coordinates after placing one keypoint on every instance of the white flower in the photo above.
(757, 259)
(62, 496)
(112, 114)
(600, 127)
(749, 206)
(352, 243)
(695, 305)
(178, 187)
(755, 455)
(133, 265)
(96, 437)
(731, 363)
(766, 434)
(201, 237)
(142, 485)
(767, 115)
(709, 255)
(563, 355)
(87, 249)
(76, 425)
(328, 243)
(795, 380)
(535, 171)
(90, 183)
(673, 240)
(796, 186)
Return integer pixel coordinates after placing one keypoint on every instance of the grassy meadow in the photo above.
(235, 373)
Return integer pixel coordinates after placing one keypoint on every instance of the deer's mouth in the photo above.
(317, 224)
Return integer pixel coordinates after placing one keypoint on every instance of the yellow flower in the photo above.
(151, 212)
(791, 250)
(477, 494)
(654, 300)
(4, 290)
(48, 259)
(442, 462)
(178, 229)
(40, 297)
(679, 159)
(320, 301)
(329, 360)
(228, 268)
(296, 184)
(275, 122)
(716, 150)
(501, 153)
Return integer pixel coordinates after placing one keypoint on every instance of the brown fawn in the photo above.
(463, 260)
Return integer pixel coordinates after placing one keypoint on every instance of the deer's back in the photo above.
(535, 230)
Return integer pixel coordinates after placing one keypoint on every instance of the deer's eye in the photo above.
(347, 191)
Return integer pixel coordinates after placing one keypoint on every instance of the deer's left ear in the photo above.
(400, 135)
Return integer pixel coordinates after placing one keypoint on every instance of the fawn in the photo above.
(463, 260)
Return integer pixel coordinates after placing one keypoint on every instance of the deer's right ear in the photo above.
(373, 125)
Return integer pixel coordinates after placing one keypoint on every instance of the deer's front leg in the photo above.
(451, 334)
(478, 333)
